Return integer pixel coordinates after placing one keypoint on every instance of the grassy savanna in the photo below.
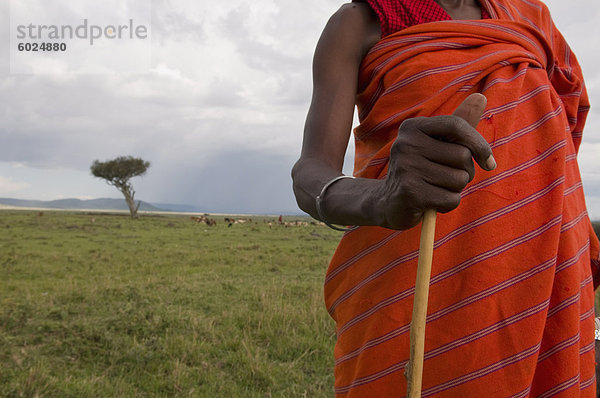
(99, 305)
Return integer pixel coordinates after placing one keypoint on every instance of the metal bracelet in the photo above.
(319, 200)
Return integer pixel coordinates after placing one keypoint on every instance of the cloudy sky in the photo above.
(217, 107)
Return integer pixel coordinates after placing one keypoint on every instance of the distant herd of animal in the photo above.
(211, 222)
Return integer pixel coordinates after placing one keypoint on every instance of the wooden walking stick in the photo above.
(470, 110)
(414, 369)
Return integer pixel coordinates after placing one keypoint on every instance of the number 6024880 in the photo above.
(42, 47)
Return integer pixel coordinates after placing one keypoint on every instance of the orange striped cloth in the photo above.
(511, 308)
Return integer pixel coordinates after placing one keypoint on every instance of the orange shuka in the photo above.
(511, 306)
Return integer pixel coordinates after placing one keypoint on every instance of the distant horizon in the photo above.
(196, 210)
(158, 206)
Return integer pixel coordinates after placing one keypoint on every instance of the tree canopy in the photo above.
(118, 172)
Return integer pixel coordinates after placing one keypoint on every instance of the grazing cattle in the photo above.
(295, 224)
(204, 219)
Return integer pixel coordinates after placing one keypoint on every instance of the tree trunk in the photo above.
(129, 194)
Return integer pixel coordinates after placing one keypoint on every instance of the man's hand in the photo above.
(431, 162)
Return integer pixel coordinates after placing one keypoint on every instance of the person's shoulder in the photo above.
(353, 14)
(355, 22)
(355, 8)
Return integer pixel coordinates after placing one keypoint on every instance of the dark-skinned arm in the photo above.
(424, 172)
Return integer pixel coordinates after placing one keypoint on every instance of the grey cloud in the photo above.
(230, 181)
(170, 23)
(222, 93)
(4, 39)
(290, 70)
(53, 122)
(255, 53)
(295, 89)
(292, 30)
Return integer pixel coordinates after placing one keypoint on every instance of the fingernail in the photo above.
(490, 163)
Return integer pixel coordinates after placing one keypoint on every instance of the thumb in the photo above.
(471, 110)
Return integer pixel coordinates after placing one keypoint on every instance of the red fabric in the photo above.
(511, 302)
(396, 15)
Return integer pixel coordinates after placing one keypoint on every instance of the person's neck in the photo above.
(457, 3)
(461, 9)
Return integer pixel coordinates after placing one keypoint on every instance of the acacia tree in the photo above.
(118, 172)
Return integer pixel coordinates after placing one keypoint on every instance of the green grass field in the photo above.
(98, 305)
